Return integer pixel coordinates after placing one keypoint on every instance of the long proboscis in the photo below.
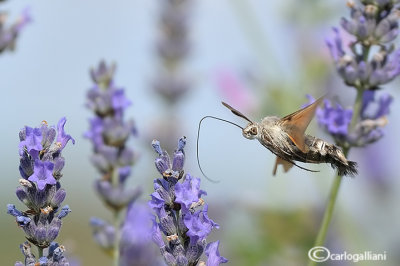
(198, 138)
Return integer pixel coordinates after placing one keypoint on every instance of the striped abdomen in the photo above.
(320, 151)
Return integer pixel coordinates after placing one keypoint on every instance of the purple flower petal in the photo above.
(119, 100)
(64, 212)
(62, 137)
(384, 103)
(32, 142)
(95, 132)
(214, 259)
(156, 201)
(43, 174)
(103, 233)
(156, 234)
(199, 225)
(334, 119)
(188, 192)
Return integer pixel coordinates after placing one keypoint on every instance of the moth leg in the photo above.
(286, 165)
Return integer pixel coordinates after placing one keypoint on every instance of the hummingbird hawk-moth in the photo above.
(285, 137)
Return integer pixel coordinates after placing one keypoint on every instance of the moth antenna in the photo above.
(198, 138)
(236, 112)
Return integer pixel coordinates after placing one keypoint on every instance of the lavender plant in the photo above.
(173, 47)
(371, 61)
(41, 163)
(112, 158)
(9, 35)
(181, 212)
(171, 82)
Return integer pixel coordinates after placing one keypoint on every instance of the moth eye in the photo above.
(254, 131)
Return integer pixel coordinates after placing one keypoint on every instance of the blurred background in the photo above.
(262, 57)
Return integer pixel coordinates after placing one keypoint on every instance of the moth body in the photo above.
(285, 138)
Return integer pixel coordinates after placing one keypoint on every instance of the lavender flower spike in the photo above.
(374, 24)
(336, 120)
(109, 134)
(40, 190)
(371, 61)
(181, 217)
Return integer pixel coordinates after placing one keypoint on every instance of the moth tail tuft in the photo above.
(347, 170)
(339, 162)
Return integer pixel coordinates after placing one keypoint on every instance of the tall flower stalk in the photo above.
(181, 213)
(171, 83)
(41, 163)
(109, 134)
(370, 61)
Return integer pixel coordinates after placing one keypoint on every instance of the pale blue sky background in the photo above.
(47, 78)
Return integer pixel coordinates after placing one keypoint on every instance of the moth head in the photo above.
(251, 131)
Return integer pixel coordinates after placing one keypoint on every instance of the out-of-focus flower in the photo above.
(9, 35)
(113, 159)
(103, 74)
(171, 87)
(375, 24)
(109, 134)
(103, 233)
(336, 119)
(40, 190)
(358, 72)
(235, 91)
(173, 47)
(171, 82)
(178, 206)
(136, 247)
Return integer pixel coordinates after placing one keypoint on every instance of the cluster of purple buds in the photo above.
(371, 61)
(9, 35)
(41, 163)
(173, 46)
(374, 24)
(109, 134)
(181, 213)
(55, 256)
(336, 120)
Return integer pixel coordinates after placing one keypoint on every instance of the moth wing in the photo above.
(296, 123)
(286, 165)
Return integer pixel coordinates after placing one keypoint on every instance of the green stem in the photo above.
(320, 241)
(328, 212)
(115, 177)
(117, 224)
(40, 252)
(357, 107)
(117, 218)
